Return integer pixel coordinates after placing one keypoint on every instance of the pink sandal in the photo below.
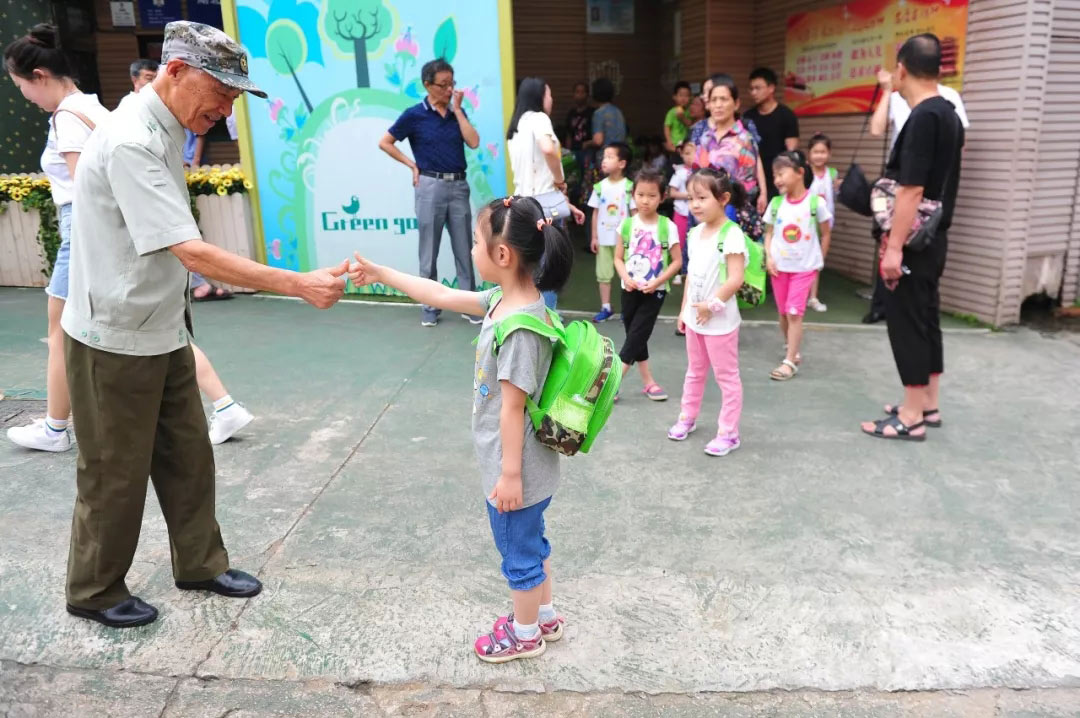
(655, 393)
(503, 646)
(551, 631)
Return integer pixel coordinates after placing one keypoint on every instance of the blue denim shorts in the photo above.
(519, 536)
(58, 282)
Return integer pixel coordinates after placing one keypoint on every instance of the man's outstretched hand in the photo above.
(322, 288)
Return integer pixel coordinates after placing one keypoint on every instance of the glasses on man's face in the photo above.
(444, 85)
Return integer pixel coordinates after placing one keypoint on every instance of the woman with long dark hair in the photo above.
(41, 70)
(536, 156)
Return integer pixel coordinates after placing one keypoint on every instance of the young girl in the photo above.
(677, 191)
(710, 311)
(799, 232)
(517, 249)
(639, 260)
(825, 185)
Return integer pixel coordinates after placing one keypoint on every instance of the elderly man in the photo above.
(129, 365)
(925, 163)
(143, 72)
(436, 129)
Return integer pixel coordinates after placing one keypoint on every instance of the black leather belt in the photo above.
(449, 176)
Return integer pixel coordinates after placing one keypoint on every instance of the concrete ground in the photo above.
(813, 572)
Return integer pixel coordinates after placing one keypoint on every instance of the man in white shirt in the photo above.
(895, 112)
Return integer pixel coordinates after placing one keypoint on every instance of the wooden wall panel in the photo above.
(115, 53)
(988, 242)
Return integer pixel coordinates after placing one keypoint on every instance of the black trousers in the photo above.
(639, 313)
(913, 316)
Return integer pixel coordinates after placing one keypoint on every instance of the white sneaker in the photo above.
(677, 280)
(815, 304)
(472, 320)
(37, 436)
(223, 424)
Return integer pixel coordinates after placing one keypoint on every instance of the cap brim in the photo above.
(239, 82)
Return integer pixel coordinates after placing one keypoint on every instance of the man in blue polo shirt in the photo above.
(436, 129)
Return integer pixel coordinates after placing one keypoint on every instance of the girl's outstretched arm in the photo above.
(363, 272)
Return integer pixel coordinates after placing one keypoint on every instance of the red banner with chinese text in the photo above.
(833, 54)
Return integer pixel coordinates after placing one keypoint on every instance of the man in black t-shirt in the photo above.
(776, 125)
(925, 163)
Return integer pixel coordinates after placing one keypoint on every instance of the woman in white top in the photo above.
(40, 69)
(536, 157)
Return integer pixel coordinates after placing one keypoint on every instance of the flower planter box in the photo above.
(22, 260)
(225, 221)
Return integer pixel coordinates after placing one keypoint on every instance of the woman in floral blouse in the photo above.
(726, 144)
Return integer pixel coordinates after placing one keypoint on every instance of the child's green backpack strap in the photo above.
(536, 325)
(833, 174)
(628, 185)
(662, 231)
(774, 206)
(624, 232)
(814, 199)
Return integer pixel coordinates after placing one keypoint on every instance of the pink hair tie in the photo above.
(540, 225)
(506, 200)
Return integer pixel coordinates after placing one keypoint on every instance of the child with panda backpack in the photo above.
(646, 259)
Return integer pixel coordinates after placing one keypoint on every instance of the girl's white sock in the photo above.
(547, 612)
(526, 632)
(56, 426)
(223, 403)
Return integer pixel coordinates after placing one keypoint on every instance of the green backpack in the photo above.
(755, 278)
(580, 388)
(661, 236)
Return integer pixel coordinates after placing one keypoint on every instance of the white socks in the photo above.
(547, 612)
(526, 632)
(55, 426)
(223, 403)
(606, 306)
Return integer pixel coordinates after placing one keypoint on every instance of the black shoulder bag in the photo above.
(855, 189)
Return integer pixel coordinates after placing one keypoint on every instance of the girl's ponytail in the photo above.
(558, 259)
(545, 251)
(739, 197)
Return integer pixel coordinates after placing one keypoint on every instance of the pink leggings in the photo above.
(722, 352)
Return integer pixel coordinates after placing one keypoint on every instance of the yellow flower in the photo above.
(247, 184)
(222, 191)
(227, 183)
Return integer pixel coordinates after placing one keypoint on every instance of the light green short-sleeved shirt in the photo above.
(127, 292)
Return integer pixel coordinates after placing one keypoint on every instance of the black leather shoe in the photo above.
(873, 318)
(232, 583)
(126, 614)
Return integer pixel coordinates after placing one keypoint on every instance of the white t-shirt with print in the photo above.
(67, 133)
(899, 111)
(532, 176)
(707, 272)
(613, 203)
(645, 258)
(795, 242)
(678, 181)
(825, 187)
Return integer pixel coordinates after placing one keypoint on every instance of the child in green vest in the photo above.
(646, 259)
(522, 253)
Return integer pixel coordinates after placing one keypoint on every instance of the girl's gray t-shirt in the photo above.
(523, 360)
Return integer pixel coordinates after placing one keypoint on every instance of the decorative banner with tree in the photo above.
(338, 73)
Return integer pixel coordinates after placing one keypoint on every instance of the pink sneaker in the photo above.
(551, 631)
(502, 646)
(722, 445)
(683, 428)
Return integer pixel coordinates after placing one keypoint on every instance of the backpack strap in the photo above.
(832, 173)
(528, 322)
(624, 232)
(814, 204)
(83, 118)
(774, 206)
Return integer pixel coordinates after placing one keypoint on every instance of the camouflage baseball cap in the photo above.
(210, 50)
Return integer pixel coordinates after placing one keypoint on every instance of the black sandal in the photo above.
(903, 432)
(894, 410)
